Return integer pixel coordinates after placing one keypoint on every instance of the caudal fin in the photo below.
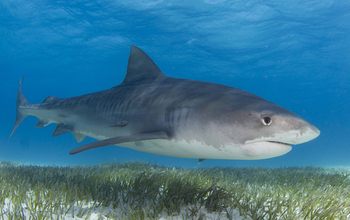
(21, 102)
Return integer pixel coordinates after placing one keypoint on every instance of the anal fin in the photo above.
(62, 129)
(41, 123)
(121, 139)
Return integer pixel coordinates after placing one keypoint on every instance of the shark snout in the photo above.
(305, 134)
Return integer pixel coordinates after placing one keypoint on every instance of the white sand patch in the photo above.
(89, 212)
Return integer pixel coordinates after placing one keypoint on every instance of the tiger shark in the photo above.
(158, 114)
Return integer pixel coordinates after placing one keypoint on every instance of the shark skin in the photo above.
(185, 118)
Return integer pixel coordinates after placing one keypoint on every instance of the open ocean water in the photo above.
(295, 53)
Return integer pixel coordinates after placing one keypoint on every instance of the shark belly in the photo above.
(196, 149)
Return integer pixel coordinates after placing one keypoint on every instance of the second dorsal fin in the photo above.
(50, 99)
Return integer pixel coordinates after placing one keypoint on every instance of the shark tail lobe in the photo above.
(21, 102)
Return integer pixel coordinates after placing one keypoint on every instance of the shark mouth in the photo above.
(266, 141)
(276, 142)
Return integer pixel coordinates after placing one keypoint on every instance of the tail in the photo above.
(21, 102)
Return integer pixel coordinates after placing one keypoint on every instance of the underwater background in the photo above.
(294, 53)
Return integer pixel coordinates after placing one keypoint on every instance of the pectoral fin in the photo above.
(121, 139)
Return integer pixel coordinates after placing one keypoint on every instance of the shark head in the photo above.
(272, 132)
(255, 128)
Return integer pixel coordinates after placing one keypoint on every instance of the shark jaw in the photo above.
(299, 136)
(280, 143)
(265, 149)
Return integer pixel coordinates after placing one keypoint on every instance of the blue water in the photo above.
(295, 53)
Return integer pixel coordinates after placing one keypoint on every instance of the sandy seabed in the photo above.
(102, 214)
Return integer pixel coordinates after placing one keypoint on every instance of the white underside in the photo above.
(195, 149)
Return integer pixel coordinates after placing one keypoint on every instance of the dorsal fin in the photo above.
(50, 98)
(141, 67)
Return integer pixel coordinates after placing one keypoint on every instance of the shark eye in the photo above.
(266, 120)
